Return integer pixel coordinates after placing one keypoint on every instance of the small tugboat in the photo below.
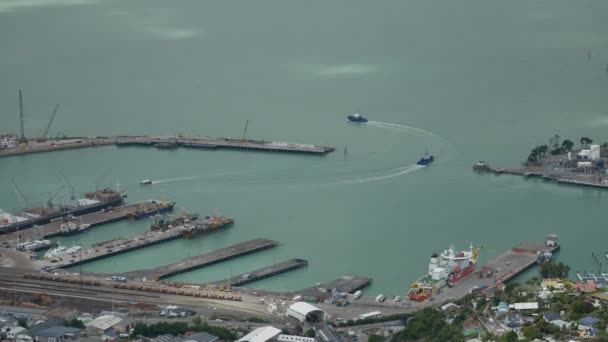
(145, 182)
(356, 118)
(426, 159)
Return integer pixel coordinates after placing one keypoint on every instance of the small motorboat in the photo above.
(356, 118)
(426, 159)
(145, 182)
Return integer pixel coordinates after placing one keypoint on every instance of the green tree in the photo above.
(585, 141)
(310, 332)
(511, 336)
(531, 332)
(375, 338)
(22, 322)
(75, 323)
(567, 145)
(551, 269)
(197, 321)
(299, 329)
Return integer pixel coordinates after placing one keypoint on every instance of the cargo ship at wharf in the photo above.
(192, 225)
(92, 202)
(158, 207)
(496, 272)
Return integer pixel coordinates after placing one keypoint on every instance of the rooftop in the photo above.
(57, 331)
(104, 322)
(261, 334)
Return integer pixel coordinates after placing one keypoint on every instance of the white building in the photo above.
(13, 332)
(593, 153)
(262, 334)
(102, 324)
(305, 312)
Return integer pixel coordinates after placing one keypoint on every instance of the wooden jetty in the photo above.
(203, 260)
(166, 142)
(263, 273)
(98, 218)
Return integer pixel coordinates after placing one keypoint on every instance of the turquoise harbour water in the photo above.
(468, 80)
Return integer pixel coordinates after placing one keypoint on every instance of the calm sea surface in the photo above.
(467, 80)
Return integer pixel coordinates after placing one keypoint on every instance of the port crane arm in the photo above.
(69, 185)
(53, 194)
(19, 194)
(46, 129)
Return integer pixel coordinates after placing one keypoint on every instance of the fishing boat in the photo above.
(145, 182)
(426, 159)
(356, 118)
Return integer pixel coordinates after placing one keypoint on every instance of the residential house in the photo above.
(57, 333)
(599, 299)
(327, 334)
(563, 324)
(553, 283)
(12, 332)
(102, 324)
(549, 316)
(514, 320)
(585, 287)
(586, 325)
(524, 306)
(472, 327)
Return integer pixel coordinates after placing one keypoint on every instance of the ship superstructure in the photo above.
(208, 225)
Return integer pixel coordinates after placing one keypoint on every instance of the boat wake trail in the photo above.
(398, 127)
(389, 174)
(177, 179)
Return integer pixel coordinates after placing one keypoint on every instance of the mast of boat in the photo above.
(245, 131)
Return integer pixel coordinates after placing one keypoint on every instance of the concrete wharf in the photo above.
(203, 260)
(347, 283)
(98, 218)
(165, 142)
(263, 273)
(561, 177)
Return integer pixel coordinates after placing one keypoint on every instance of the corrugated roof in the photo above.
(57, 331)
(303, 308)
(104, 322)
(262, 334)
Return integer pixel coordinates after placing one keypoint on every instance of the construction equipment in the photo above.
(22, 139)
(69, 185)
(45, 131)
(476, 252)
(19, 195)
(52, 195)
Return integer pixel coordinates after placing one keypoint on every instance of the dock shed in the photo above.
(305, 312)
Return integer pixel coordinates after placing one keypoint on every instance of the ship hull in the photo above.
(468, 270)
(141, 215)
(74, 212)
(193, 234)
(357, 120)
(419, 298)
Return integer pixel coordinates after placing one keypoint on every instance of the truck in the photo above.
(119, 279)
(380, 298)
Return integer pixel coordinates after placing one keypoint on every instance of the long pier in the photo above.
(98, 218)
(564, 177)
(263, 273)
(166, 142)
(203, 260)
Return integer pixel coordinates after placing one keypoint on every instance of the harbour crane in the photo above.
(45, 131)
(19, 194)
(69, 185)
(52, 195)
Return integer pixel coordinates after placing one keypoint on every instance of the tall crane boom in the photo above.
(46, 129)
(69, 185)
(52, 195)
(19, 194)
